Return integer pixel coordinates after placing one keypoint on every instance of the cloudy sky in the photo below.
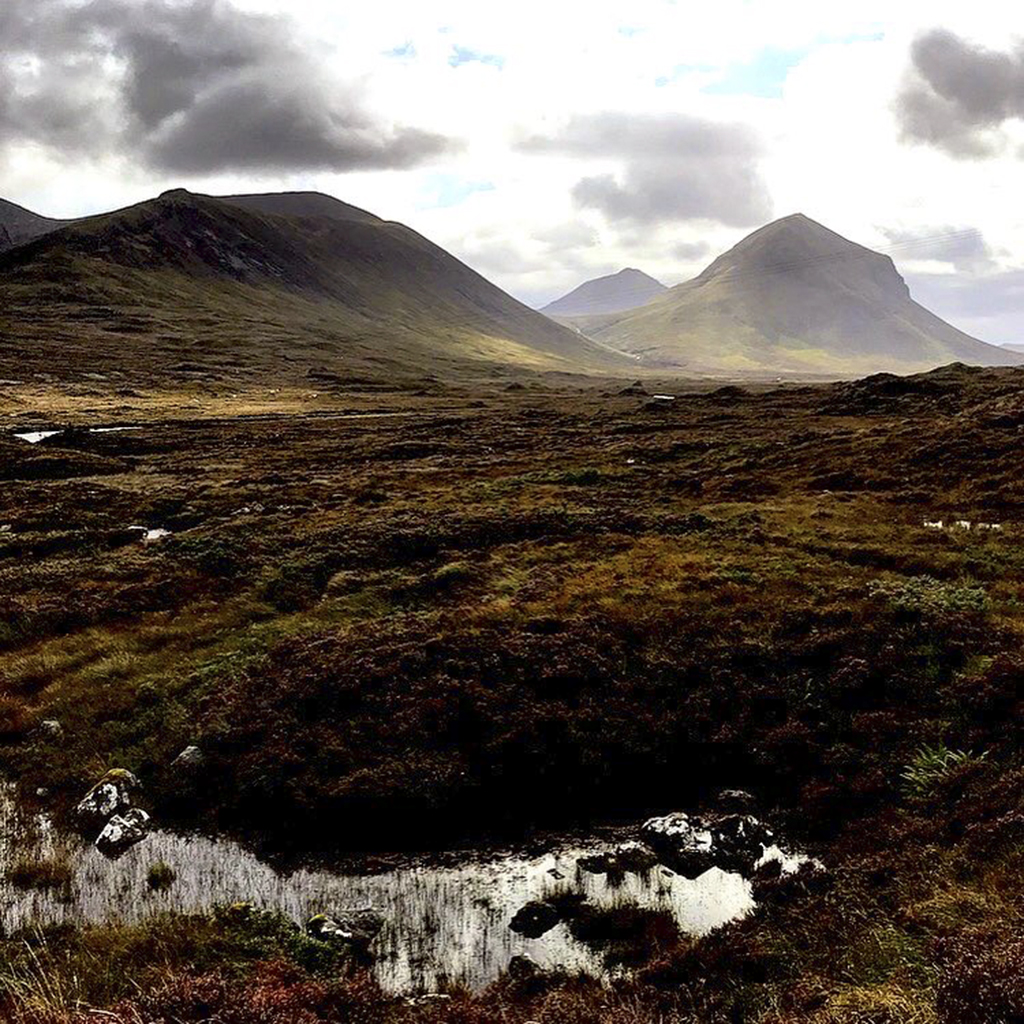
(548, 142)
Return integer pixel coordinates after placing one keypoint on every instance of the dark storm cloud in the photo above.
(958, 95)
(673, 168)
(186, 85)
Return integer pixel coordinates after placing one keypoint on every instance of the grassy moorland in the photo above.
(538, 607)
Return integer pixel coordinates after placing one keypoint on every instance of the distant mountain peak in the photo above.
(794, 296)
(797, 247)
(613, 293)
(18, 225)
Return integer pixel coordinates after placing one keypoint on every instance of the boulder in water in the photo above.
(355, 928)
(691, 844)
(683, 841)
(535, 918)
(122, 832)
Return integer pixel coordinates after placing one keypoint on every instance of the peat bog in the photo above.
(513, 612)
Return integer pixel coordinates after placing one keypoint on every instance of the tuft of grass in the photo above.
(52, 872)
(32, 991)
(932, 764)
(160, 876)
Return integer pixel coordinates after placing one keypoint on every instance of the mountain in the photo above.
(293, 283)
(792, 297)
(18, 225)
(1014, 346)
(627, 289)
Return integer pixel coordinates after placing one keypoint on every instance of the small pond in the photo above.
(444, 924)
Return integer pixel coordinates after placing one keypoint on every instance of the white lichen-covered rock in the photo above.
(355, 928)
(692, 844)
(189, 760)
(50, 729)
(682, 841)
(122, 832)
(111, 795)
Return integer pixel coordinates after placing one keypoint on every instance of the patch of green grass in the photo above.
(160, 876)
(924, 594)
(932, 764)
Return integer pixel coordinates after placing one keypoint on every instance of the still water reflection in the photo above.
(444, 924)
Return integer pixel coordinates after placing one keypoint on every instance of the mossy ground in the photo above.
(544, 608)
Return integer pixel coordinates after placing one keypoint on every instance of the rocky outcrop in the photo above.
(692, 844)
(109, 808)
(122, 832)
(112, 795)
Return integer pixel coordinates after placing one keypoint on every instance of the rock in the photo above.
(523, 967)
(122, 832)
(427, 998)
(691, 844)
(240, 911)
(111, 795)
(50, 729)
(735, 801)
(189, 760)
(683, 842)
(740, 840)
(633, 857)
(534, 919)
(355, 928)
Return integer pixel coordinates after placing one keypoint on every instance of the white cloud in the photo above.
(830, 143)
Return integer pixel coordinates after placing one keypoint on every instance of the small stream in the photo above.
(444, 924)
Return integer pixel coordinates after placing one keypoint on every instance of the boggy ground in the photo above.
(537, 607)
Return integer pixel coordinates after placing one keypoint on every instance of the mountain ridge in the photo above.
(19, 225)
(284, 281)
(792, 296)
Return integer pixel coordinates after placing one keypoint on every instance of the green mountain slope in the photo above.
(795, 297)
(249, 284)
